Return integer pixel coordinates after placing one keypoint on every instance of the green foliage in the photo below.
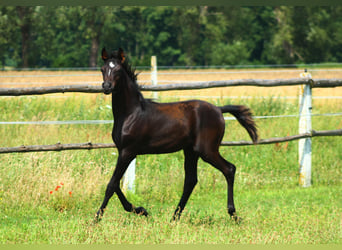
(197, 35)
(230, 54)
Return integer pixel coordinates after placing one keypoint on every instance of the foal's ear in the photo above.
(104, 54)
(121, 55)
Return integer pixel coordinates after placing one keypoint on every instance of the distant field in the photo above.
(49, 78)
(275, 210)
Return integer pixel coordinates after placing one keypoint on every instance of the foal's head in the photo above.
(112, 69)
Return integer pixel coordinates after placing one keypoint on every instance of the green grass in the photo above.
(275, 210)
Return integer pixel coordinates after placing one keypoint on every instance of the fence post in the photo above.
(129, 177)
(304, 145)
(154, 74)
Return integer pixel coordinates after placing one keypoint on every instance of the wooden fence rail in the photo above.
(306, 133)
(89, 145)
(316, 83)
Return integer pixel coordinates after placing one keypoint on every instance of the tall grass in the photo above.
(273, 207)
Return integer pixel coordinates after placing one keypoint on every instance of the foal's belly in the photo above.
(166, 143)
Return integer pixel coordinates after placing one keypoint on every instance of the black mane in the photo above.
(130, 72)
(133, 76)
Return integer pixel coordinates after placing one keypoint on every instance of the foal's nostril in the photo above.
(107, 87)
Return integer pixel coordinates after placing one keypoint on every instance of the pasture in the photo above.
(52, 197)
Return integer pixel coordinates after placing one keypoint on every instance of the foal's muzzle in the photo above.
(107, 87)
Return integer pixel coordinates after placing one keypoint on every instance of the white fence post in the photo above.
(129, 177)
(154, 74)
(304, 145)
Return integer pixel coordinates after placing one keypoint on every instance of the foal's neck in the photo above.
(127, 99)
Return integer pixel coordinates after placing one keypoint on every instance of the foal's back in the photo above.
(169, 127)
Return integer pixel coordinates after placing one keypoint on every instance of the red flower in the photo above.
(70, 193)
(51, 192)
(58, 187)
(62, 183)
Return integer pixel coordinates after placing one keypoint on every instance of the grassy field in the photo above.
(275, 210)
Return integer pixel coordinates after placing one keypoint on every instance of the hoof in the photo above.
(233, 216)
(140, 211)
(231, 211)
(98, 216)
(97, 219)
(236, 218)
(175, 218)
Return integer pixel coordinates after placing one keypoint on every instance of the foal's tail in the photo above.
(244, 116)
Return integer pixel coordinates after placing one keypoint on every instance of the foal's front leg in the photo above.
(114, 186)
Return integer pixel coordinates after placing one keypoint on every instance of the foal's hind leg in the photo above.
(190, 181)
(228, 170)
(114, 186)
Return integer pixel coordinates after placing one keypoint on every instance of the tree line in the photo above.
(196, 35)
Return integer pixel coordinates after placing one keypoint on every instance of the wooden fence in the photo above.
(317, 83)
(89, 145)
(308, 82)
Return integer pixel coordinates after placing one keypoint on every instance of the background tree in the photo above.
(194, 35)
(94, 18)
(25, 21)
(9, 50)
